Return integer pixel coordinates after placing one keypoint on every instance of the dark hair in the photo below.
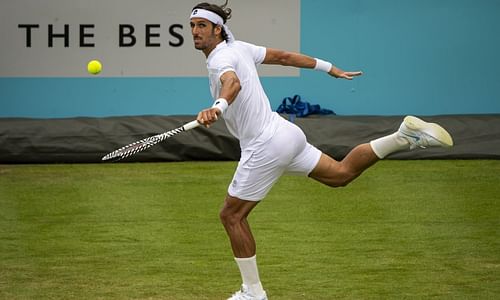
(221, 10)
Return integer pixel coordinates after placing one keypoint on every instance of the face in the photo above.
(205, 35)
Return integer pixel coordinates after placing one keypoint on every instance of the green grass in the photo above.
(404, 230)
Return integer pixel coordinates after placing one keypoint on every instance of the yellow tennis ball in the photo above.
(94, 67)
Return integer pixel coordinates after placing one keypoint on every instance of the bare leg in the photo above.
(335, 173)
(234, 218)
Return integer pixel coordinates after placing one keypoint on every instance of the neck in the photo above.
(209, 50)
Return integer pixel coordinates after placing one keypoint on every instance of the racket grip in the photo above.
(191, 125)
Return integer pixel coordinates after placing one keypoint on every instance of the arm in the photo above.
(286, 58)
(230, 87)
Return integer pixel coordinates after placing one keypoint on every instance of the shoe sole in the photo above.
(434, 130)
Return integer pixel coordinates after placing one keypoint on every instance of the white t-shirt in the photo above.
(249, 117)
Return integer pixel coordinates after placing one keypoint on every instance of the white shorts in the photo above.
(258, 170)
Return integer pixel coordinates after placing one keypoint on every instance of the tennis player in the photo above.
(270, 145)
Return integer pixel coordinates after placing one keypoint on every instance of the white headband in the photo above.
(214, 18)
(206, 14)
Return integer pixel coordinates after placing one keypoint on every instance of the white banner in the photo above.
(132, 38)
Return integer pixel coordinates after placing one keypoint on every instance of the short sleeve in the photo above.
(225, 63)
(258, 53)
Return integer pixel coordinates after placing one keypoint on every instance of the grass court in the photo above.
(404, 230)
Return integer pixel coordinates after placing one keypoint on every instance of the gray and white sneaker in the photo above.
(423, 134)
(244, 294)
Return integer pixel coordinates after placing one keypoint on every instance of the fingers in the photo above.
(208, 116)
(353, 74)
(338, 73)
(350, 75)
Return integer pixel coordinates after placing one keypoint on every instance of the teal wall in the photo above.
(423, 57)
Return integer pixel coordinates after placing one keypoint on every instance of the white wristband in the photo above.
(221, 104)
(322, 65)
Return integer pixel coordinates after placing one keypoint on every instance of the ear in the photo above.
(218, 30)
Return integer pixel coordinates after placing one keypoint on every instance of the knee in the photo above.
(228, 218)
(333, 173)
(338, 183)
(342, 179)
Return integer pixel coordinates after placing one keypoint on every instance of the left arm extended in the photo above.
(293, 59)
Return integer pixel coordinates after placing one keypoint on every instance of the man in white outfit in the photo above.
(270, 145)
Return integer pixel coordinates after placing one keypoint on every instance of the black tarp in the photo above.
(86, 140)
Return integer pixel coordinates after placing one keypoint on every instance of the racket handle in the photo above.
(191, 125)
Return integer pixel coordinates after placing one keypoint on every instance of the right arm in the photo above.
(230, 87)
(293, 59)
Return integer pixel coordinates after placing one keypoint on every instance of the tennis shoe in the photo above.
(244, 294)
(423, 134)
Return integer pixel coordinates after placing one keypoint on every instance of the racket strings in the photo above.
(141, 145)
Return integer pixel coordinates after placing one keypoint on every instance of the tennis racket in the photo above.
(146, 143)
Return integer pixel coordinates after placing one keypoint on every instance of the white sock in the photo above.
(250, 274)
(389, 144)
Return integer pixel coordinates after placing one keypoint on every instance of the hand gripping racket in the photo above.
(146, 143)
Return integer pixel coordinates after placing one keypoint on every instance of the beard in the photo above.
(200, 46)
(204, 43)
